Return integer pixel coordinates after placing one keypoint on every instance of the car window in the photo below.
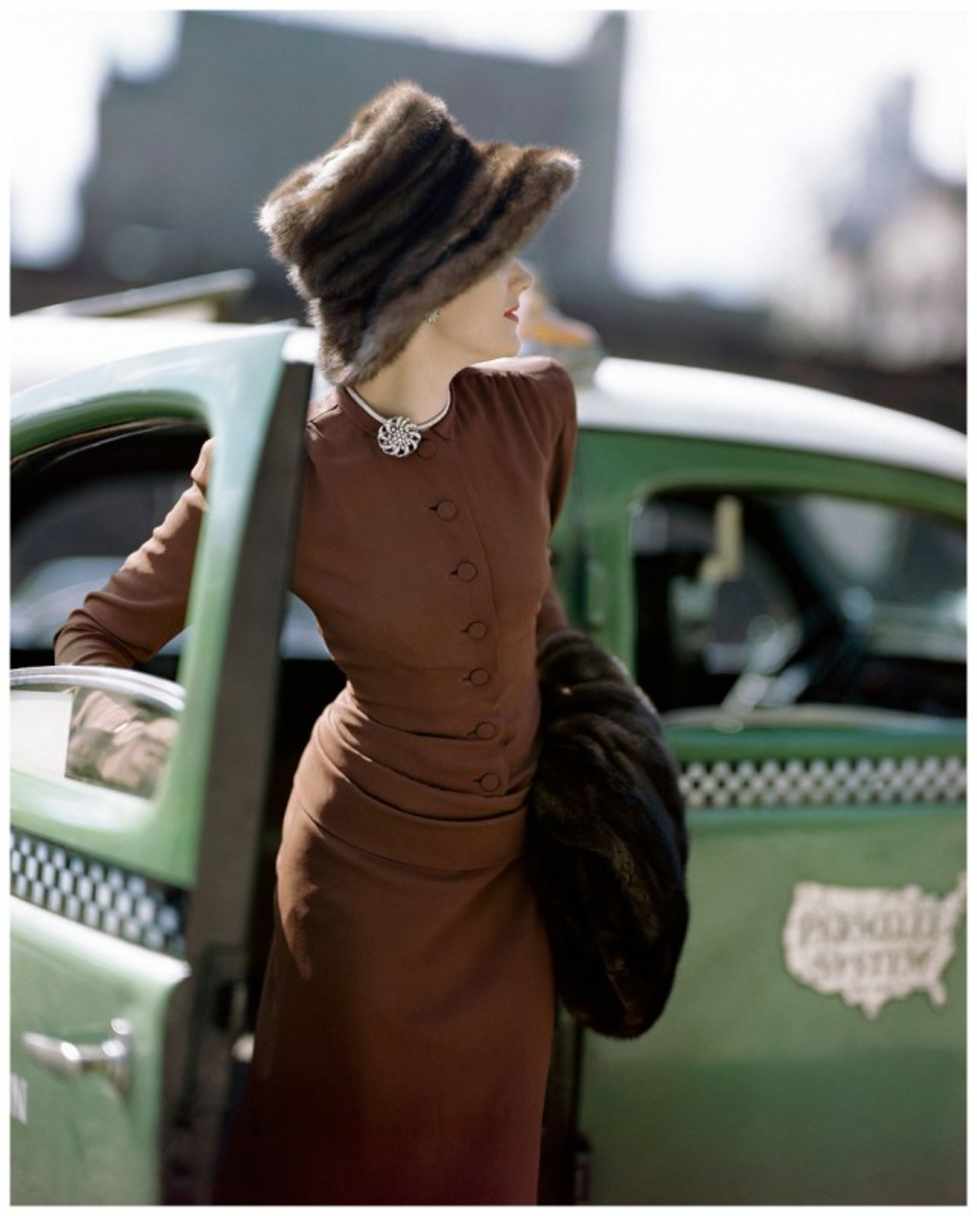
(882, 558)
(79, 508)
(74, 541)
(813, 596)
(93, 726)
(79, 525)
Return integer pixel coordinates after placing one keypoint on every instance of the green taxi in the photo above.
(783, 571)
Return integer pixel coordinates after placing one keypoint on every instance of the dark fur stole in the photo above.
(607, 844)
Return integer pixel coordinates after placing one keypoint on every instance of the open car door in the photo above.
(133, 868)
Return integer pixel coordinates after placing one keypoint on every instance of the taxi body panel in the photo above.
(98, 1144)
(823, 979)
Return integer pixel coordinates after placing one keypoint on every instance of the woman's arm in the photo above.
(140, 608)
(144, 603)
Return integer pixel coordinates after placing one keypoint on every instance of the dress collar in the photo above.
(366, 422)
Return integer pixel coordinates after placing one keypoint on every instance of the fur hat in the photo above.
(401, 214)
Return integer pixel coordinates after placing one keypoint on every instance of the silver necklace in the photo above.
(401, 435)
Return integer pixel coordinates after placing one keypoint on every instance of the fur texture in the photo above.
(401, 214)
(607, 843)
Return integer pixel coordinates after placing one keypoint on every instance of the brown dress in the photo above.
(405, 1025)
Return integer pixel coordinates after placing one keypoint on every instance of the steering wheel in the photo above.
(827, 639)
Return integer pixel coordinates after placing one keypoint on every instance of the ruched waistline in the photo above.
(375, 807)
(431, 774)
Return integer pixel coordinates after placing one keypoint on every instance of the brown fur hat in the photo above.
(401, 214)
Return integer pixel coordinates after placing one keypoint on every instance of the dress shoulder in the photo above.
(543, 384)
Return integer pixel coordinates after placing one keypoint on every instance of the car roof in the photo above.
(667, 399)
(630, 395)
(45, 347)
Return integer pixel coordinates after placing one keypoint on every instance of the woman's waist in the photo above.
(428, 812)
(479, 772)
(387, 823)
(483, 704)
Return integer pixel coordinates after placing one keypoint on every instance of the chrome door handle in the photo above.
(111, 1056)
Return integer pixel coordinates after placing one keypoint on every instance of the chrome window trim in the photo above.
(164, 693)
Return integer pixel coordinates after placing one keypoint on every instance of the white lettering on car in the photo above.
(870, 945)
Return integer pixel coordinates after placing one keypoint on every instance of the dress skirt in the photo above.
(405, 1025)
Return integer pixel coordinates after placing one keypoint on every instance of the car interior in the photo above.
(882, 627)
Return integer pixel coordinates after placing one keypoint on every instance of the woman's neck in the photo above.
(416, 385)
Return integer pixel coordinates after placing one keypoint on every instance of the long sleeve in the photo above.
(552, 614)
(144, 603)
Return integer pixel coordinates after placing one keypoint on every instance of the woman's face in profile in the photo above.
(476, 318)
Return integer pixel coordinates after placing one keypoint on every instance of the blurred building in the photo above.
(247, 100)
(888, 282)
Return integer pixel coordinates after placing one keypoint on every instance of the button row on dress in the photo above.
(466, 571)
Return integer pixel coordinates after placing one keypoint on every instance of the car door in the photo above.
(133, 849)
(813, 1047)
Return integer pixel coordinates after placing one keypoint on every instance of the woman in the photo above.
(405, 1024)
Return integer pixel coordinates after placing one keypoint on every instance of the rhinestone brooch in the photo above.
(401, 435)
(398, 436)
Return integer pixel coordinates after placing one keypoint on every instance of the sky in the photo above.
(731, 123)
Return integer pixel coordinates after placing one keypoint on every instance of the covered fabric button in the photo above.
(486, 730)
(466, 571)
(476, 629)
(446, 509)
(489, 781)
(478, 675)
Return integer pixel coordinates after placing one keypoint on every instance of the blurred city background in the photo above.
(782, 195)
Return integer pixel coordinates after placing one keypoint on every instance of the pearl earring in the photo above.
(432, 317)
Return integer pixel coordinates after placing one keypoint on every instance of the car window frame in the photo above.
(623, 470)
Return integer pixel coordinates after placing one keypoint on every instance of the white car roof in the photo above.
(626, 394)
(666, 399)
(47, 347)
